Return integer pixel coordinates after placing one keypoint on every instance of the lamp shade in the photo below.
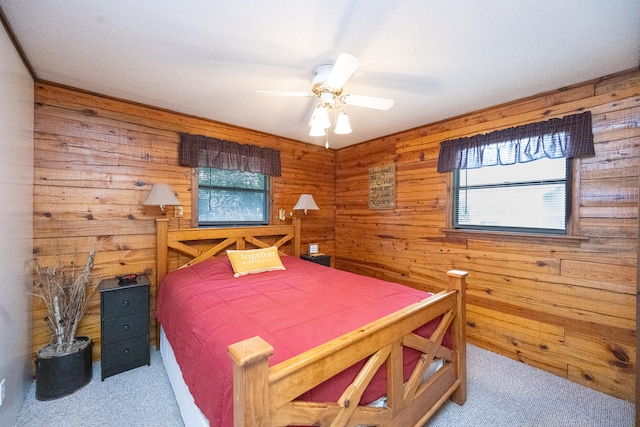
(161, 195)
(306, 202)
(342, 124)
(317, 131)
(321, 118)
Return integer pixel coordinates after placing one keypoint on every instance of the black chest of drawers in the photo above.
(124, 325)
(318, 259)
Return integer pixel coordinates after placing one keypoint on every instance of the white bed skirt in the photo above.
(191, 414)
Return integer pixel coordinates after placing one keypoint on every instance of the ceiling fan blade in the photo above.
(284, 93)
(368, 101)
(343, 69)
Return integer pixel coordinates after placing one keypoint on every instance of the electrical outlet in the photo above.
(1, 391)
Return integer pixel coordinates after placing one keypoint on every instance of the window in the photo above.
(231, 179)
(519, 179)
(230, 197)
(527, 197)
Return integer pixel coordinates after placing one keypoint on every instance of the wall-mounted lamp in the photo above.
(306, 202)
(161, 195)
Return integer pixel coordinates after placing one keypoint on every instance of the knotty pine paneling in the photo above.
(566, 307)
(95, 161)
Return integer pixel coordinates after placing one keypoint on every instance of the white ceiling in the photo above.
(436, 59)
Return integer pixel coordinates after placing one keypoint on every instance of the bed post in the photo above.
(296, 237)
(457, 281)
(162, 229)
(251, 382)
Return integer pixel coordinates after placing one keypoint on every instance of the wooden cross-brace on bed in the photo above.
(222, 239)
(266, 396)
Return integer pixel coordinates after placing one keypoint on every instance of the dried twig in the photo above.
(66, 298)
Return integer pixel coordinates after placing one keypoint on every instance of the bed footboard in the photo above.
(266, 396)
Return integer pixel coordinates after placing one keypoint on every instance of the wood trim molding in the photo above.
(194, 197)
(515, 237)
(16, 44)
(573, 221)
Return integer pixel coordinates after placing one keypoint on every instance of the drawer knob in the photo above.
(125, 328)
(125, 303)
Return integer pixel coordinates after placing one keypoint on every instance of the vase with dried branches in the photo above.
(63, 365)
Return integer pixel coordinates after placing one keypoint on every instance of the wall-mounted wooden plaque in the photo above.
(382, 187)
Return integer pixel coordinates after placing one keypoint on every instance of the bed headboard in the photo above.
(194, 245)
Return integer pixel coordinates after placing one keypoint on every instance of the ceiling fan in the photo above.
(328, 86)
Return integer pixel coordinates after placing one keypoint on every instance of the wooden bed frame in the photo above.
(266, 396)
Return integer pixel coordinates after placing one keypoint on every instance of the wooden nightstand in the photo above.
(124, 325)
(318, 259)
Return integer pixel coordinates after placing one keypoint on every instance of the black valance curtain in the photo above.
(203, 151)
(570, 136)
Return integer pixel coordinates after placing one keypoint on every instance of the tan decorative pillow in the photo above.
(255, 261)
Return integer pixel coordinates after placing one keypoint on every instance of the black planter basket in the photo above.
(59, 376)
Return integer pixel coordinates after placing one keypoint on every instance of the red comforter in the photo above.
(203, 309)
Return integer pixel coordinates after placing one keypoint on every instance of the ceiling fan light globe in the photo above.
(321, 118)
(342, 124)
(317, 131)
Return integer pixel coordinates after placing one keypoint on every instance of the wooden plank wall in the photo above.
(568, 308)
(95, 161)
